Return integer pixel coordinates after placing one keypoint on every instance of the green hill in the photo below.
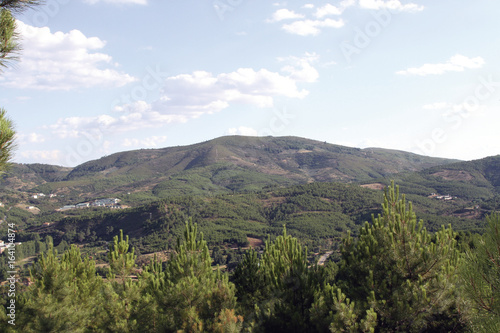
(471, 180)
(319, 214)
(223, 165)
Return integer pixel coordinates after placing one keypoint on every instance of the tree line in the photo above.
(395, 277)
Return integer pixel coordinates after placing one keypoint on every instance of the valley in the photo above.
(239, 187)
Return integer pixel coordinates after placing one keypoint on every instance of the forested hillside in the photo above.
(275, 195)
(478, 179)
(319, 214)
(396, 276)
(223, 165)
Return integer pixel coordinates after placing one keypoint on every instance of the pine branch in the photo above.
(19, 6)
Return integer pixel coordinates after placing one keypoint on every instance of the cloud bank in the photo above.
(62, 61)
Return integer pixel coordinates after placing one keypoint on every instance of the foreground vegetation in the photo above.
(318, 214)
(395, 277)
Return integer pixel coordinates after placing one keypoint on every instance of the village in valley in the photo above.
(112, 203)
(442, 197)
(106, 202)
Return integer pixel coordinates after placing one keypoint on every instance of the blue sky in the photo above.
(102, 76)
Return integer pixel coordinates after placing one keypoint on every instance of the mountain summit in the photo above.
(229, 163)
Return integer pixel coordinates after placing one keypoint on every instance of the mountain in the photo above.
(319, 214)
(27, 176)
(225, 164)
(248, 188)
(470, 180)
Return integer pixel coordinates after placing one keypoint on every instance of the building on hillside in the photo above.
(444, 197)
(83, 205)
(105, 202)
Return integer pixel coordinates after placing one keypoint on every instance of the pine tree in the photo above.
(332, 311)
(191, 295)
(9, 49)
(64, 296)
(290, 286)
(9, 38)
(8, 46)
(121, 261)
(7, 142)
(480, 275)
(249, 280)
(401, 272)
(120, 310)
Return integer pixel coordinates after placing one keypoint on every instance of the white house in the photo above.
(3, 246)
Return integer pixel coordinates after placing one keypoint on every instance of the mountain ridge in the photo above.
(224, 164)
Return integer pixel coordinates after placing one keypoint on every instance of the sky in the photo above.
(102, 76)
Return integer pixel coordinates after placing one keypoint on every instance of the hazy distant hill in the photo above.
(27, 176)
(478, 179)
(231, 163)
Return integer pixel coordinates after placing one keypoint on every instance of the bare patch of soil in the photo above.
(254, 242)
(272, 201)
(454, 175)
(374, 186)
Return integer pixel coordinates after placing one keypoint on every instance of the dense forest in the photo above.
(395, 276)
(245, 234)
(318, 214)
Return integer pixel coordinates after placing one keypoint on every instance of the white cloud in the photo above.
(330, 9)
(136, 2)
(242, 130)
(300, 68)
(62, 61)
(48, 156)
(327, 9)
(311, 27)
(390, 4)
(460, 109)
(35, 138)
(134, 116)
(151, 142)
(284, 14)
(189, 96)
(305, 27)
(202, 92)
(457, 63)
(437, 106)
(22, 139)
